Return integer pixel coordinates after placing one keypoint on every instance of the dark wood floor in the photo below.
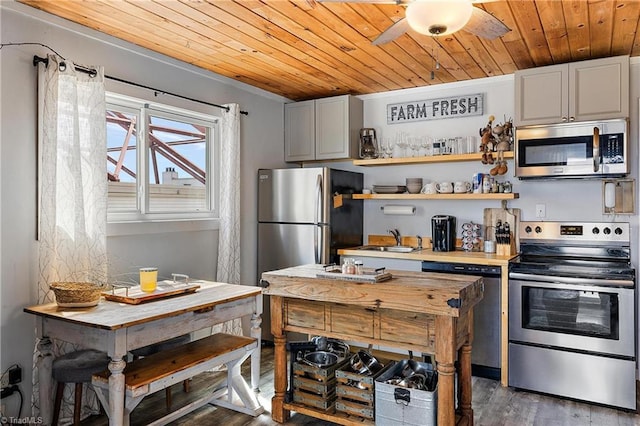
(493, 405)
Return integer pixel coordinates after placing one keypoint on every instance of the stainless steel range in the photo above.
(572, 314)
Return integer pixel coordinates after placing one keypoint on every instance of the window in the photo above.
(161, 161)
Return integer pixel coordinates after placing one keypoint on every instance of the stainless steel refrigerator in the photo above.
(304, 216)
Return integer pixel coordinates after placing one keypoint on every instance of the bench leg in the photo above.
(237, 385)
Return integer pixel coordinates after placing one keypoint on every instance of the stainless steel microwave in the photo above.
(571, 150)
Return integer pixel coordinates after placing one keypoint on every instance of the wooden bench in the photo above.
(162, 369)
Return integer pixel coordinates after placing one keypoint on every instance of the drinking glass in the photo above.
(426, 145)
(388, 148)
(414, 144)
(402, 143)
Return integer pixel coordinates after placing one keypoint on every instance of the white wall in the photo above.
(189, 247)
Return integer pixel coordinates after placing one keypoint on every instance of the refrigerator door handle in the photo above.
(318, 229)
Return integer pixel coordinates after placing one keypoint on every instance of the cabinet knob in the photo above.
(572, 119)
(564, 119)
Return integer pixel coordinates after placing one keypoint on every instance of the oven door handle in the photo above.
(571, 280)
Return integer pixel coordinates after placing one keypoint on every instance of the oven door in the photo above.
(588, 318)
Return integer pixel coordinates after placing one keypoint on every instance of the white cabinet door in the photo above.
(541, 95)
(332, 128)
(599, 89)
(299, 131)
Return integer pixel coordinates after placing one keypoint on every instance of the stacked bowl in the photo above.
(414, 185)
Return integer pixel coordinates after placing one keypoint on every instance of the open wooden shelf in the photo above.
(476, 156)
(490, 196)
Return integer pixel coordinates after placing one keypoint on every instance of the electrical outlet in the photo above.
(541, 211)
(5, 381)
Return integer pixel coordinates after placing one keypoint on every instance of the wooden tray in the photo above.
(134, 296)
(368, 276)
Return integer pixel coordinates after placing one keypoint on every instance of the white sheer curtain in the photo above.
(229, 234)
(72, 191)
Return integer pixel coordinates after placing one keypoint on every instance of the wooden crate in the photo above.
(315, 386)
(312, 400)
(356, 392)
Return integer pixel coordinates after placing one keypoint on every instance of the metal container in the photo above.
(397, 405)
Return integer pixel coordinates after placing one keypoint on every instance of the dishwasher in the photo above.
(485, 352)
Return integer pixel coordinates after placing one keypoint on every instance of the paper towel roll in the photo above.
(402, 210)
(609, 195)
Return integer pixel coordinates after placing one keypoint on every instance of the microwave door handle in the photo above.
(596, 149)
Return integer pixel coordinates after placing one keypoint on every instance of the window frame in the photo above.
(143, 109)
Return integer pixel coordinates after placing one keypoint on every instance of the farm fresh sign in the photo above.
(435, 109)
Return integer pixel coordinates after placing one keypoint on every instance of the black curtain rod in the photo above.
(45, 61)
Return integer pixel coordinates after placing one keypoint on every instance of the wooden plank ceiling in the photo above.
(304, 49)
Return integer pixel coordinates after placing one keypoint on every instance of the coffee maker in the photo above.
(443, 233)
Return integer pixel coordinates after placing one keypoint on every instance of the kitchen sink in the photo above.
(395, 249)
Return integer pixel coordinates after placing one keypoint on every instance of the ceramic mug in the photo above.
(462, 187)
(429, 188)
(444, 187)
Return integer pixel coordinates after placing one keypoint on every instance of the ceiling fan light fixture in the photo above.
(438, 17)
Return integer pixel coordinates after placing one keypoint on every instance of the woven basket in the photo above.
(77, 293)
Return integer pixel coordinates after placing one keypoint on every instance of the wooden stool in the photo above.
(159, 347)
(76, 367)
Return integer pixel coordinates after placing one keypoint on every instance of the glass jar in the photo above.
(349, 266)
(359, 267)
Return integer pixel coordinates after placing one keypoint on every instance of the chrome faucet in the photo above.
(396, 235)
(419, 238)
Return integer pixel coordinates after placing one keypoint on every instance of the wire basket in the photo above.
(77, 294)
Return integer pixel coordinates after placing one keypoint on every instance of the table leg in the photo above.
(278, 412)
(44, 362)
(256, 333)
(445, 358)
(464, 356)
(116, 393)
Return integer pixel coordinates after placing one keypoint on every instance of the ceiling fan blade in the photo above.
(393, 32)
(485, 25)
(396, 2)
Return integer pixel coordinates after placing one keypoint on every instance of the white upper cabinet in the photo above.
(580, 91)
(299, 131)
(322, 129)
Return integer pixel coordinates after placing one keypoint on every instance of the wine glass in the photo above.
(402, 143)
(387, 147)
(425, 143)
(414, 144)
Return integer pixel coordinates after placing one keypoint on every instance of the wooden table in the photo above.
(412, 311)
(117, 328)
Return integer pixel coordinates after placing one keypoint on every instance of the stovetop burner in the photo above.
(575, 249)
(574, 268)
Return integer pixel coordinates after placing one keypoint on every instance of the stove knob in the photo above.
(607, 231)
(595, 230)
(618, 231)
(527, 229)
(538, 229)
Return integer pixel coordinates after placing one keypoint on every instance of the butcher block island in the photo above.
(411, 311)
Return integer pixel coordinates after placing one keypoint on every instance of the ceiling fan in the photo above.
(438, 18)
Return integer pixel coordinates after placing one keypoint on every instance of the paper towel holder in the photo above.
(398, 209)
(618, 196)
